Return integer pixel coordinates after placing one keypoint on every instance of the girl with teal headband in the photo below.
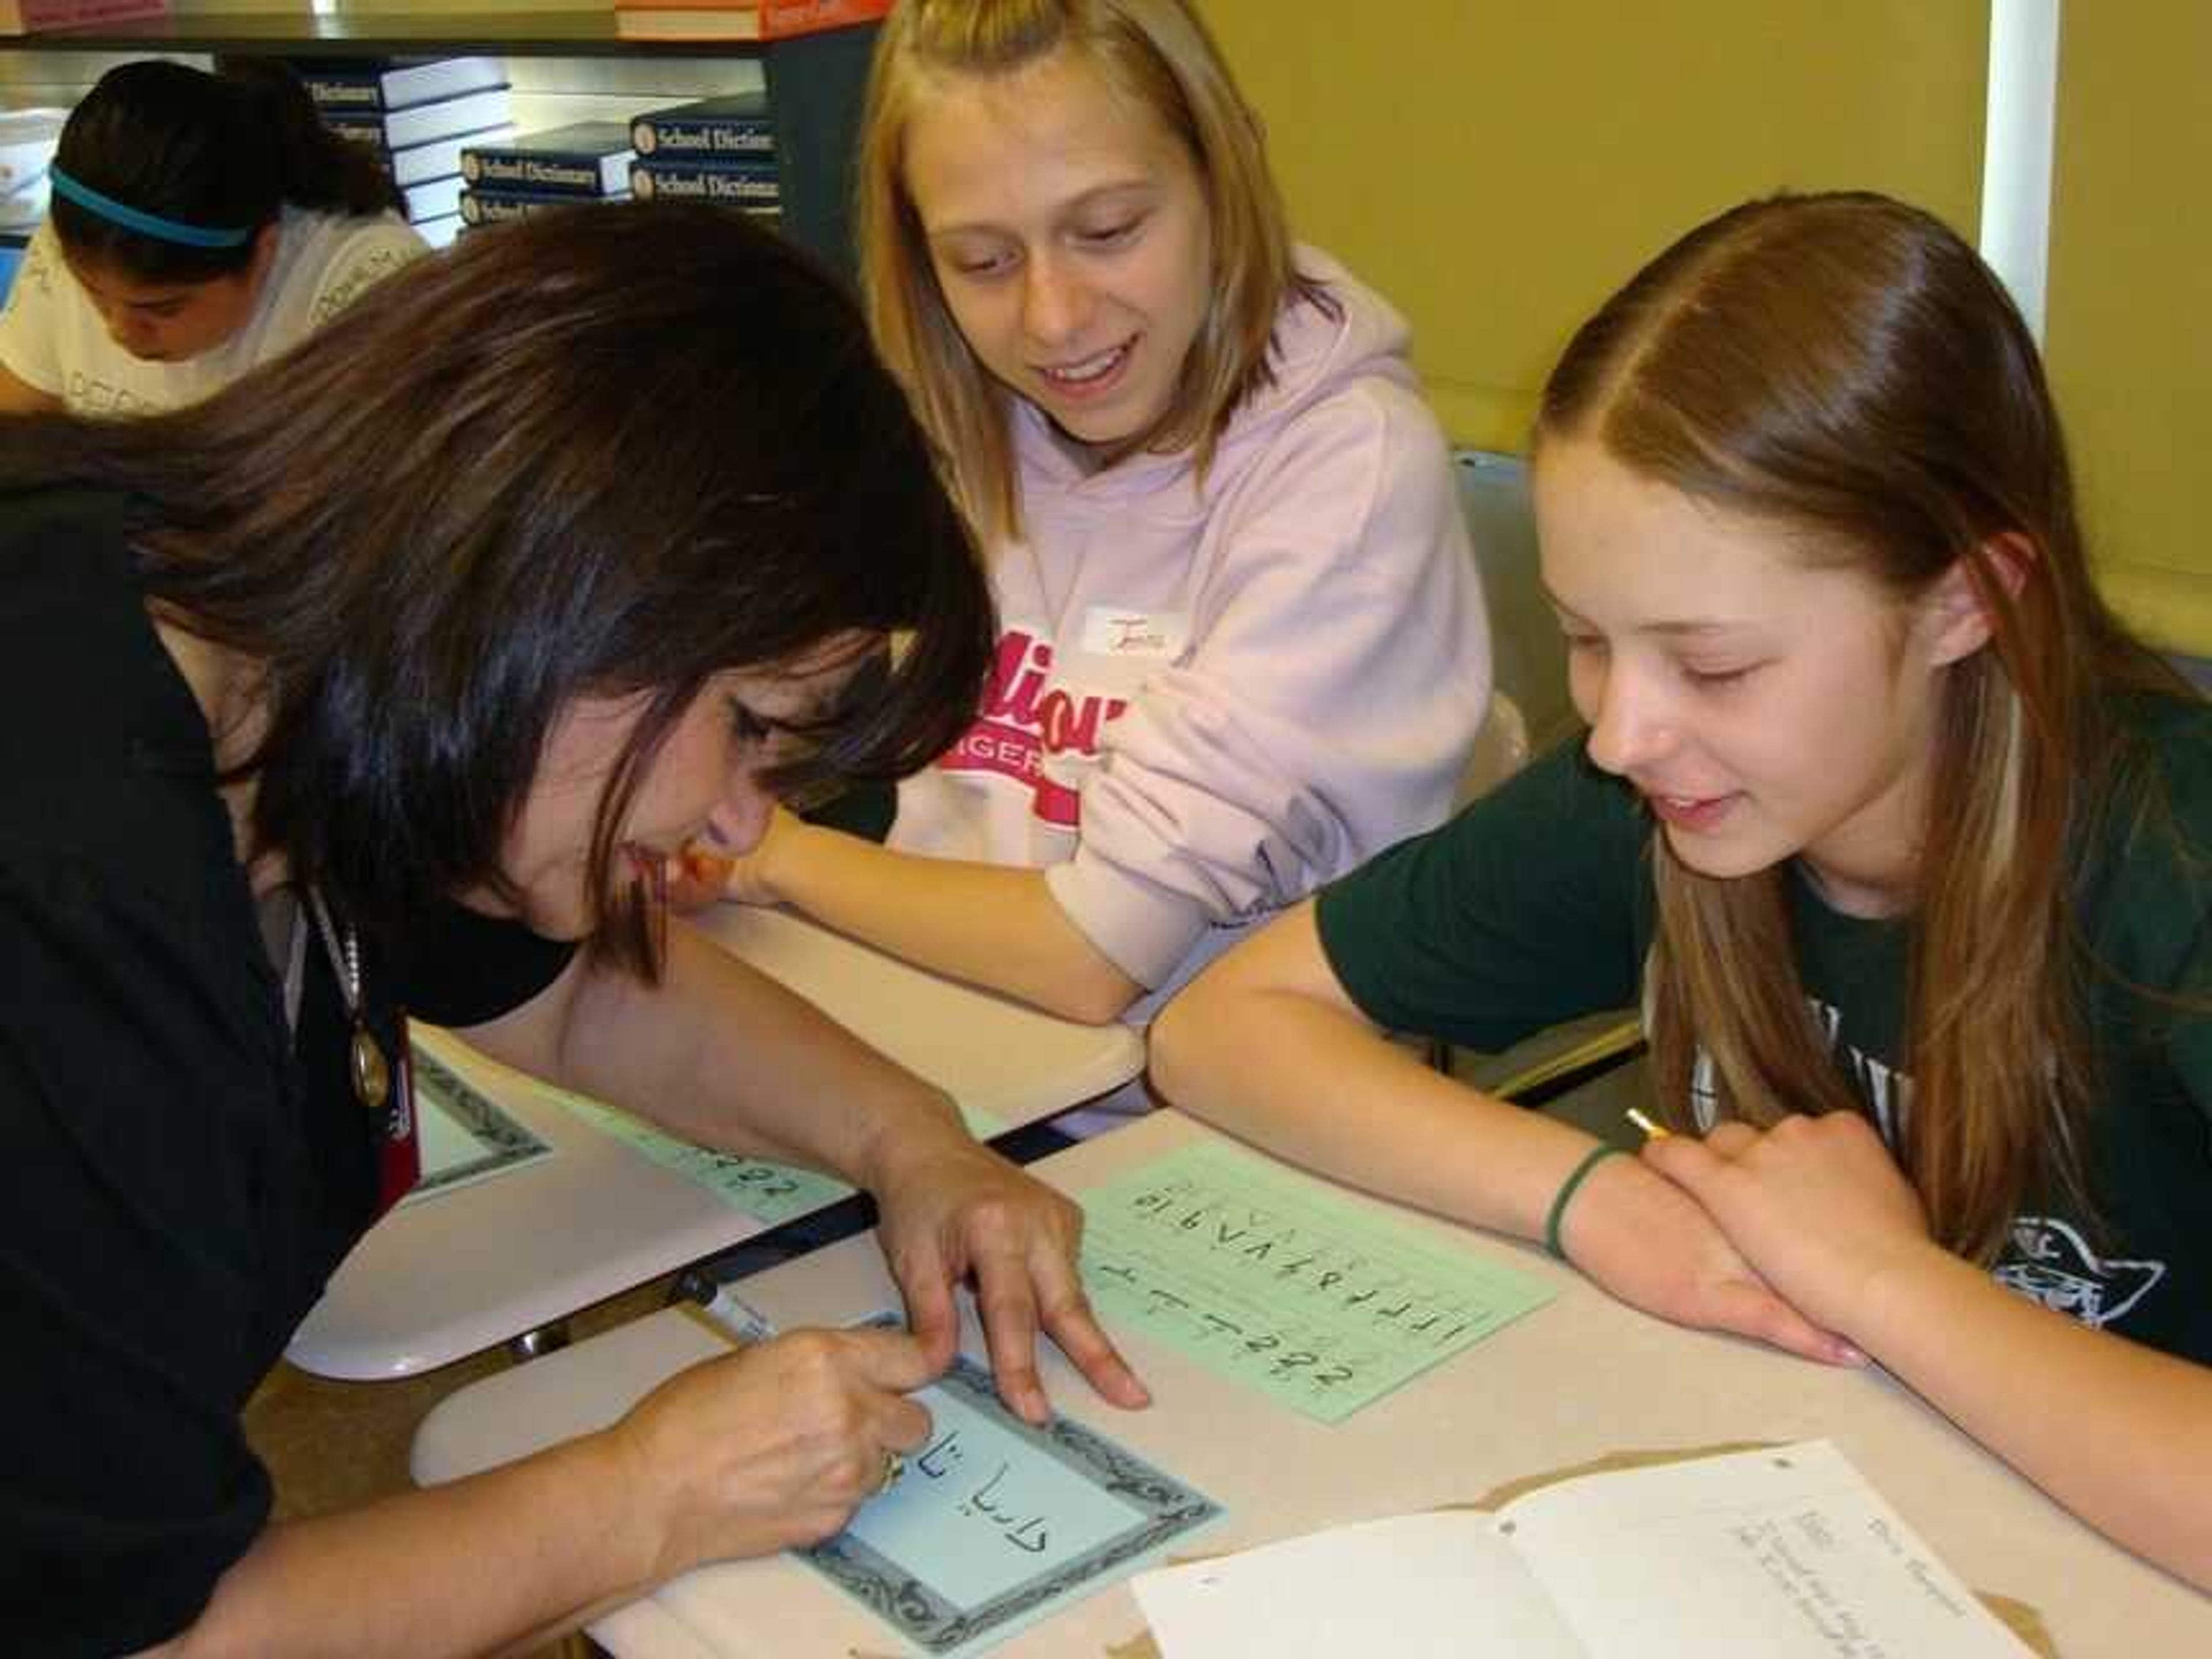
(201, 224)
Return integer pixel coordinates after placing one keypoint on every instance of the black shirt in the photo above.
(180, 1174)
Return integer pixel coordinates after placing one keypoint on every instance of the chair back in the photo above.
(1501, 749)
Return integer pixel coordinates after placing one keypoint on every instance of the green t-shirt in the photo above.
(1536, 906)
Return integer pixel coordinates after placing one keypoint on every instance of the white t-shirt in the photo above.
(52, 340)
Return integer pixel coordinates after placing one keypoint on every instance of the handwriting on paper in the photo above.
(1790, 1550)
(1274, 1278)
(989, 1503)
(943, 1457)
(995, 1523)
(1785, 1553)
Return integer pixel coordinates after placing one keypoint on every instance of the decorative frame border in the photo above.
(1168, 1508)
(505, 1142)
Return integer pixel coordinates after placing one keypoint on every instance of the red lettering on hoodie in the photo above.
(1025, 719)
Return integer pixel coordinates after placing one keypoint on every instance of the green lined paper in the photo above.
(1269, 1277)
(767, 1191)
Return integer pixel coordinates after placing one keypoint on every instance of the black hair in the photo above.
(226, 151)
(610, 452)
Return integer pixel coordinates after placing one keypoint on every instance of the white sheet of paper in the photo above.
(1784, 1554)
(1442, 1585)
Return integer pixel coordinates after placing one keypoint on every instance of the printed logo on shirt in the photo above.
(2047, 1262)
(1886, 1091)
(2050, 1262)
(1033, 732)
(88, 394)
(365, 273)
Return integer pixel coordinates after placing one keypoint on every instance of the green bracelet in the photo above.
(1596, 1156)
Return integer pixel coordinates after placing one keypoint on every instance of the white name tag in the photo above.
(1115, 631)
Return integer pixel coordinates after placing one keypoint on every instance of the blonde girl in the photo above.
(1241, 643)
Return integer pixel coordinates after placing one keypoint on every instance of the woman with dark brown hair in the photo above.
(1899, 838)
(385, 681)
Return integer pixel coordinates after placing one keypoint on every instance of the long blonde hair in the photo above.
(1846, 365)
(1154, 54)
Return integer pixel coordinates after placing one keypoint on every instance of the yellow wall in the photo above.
(2130, 328)
(1498, 167)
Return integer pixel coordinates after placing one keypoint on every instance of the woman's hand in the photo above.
(1647, 1241)
(953, 1210)
(774, 1448)
(1817, 1206)
(703, 873)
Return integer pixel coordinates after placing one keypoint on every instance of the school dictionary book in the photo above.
(438, 159)
(743, 184)
(720, 20)
(435, 198)
(373, 86)
(492, 207)
(588, 159)
(707, 129)
(397, 129)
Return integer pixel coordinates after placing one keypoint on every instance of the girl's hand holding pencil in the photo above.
(1816, 1204)
(1647, 1241)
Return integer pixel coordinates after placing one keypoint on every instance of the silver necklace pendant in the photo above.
(372, 1075)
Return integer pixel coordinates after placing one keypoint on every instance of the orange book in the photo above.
(36, 16)
(745, 20)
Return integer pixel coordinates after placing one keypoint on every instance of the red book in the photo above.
(739, 20)
(36, 16)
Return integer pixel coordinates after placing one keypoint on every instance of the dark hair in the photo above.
(609, 451)
(216, 151)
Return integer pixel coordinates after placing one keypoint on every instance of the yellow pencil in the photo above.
(1653, 1130)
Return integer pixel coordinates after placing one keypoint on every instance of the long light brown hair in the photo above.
(1154, 55)
(1845, 366)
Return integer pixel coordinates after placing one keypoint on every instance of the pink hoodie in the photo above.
(1209, 702)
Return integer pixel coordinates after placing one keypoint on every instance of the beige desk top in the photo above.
(1576, 1380)
(467, 1269)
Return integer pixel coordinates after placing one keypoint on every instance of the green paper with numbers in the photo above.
(1272, 1278)
(768, 1192)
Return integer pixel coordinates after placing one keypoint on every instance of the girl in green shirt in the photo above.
(1893, 830)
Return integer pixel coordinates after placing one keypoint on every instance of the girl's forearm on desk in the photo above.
(1266, 1045)
(2118, 1433)
(987, 924)
(723, 1055)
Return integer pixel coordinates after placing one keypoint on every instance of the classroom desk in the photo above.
(467, 1269)
(1577, 1379)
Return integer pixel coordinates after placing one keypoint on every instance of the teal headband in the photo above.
(146, 224)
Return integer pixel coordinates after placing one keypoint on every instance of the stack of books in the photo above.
(562, 167)
(416, 115)
(739, 20)
(716, 149)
